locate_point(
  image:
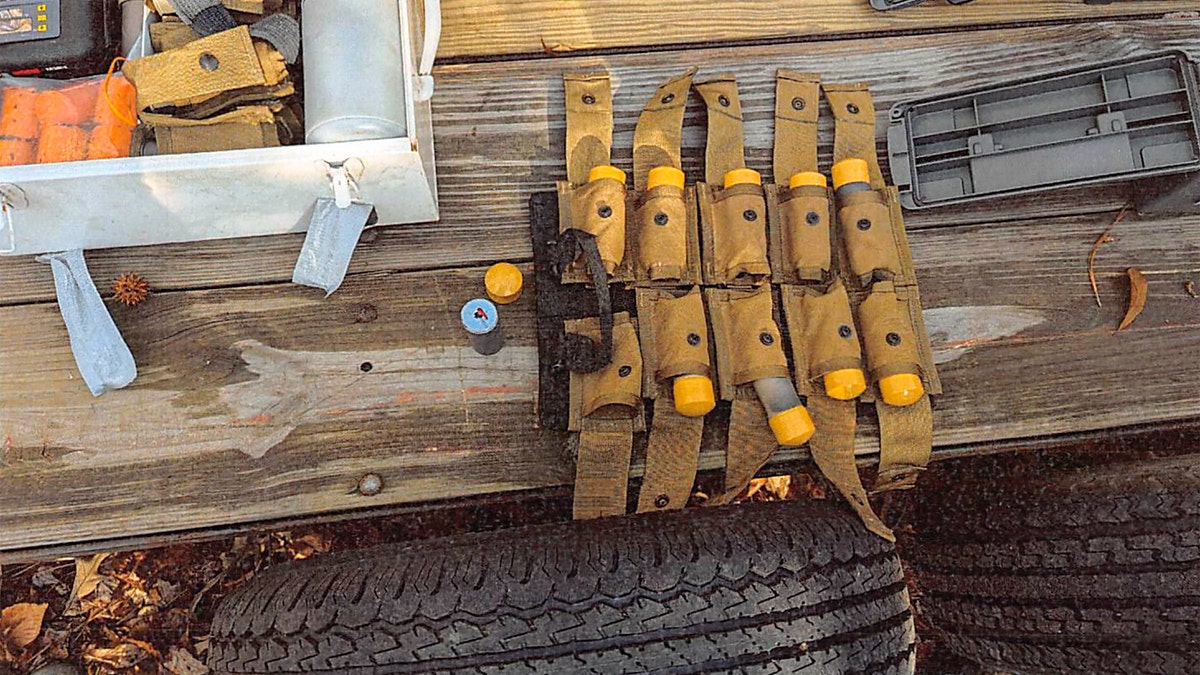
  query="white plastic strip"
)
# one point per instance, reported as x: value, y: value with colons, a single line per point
x: 332, y: 235
x: 103, y: 358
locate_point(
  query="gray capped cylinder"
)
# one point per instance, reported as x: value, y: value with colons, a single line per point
x: 353, y: 70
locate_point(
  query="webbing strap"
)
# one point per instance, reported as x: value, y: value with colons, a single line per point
x: 602, y: 468
x: 796, y: 111
x: 854, y: 126
x: 832, y: 448
x: 581, y: 354
x: 751, y: 444
x: 589, y: 123
x: 906, y: 444
x: 282, y: 32
x: 659, y: 131
x: 672, y: 457
x: 204, y: 16
x: 725, y: 150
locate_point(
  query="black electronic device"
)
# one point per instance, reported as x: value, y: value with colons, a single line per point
x: 58, y: 38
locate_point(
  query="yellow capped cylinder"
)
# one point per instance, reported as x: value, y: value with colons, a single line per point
x: 851, y: 171
x: 664, y: 175
x: 742, y: 177
x: 694, y: 396
x: 846, y: 384
x: 807, y: 178
x: 504, y: 282
x: 612, y: 172
x: 792, y: 427
x: 901, y: 390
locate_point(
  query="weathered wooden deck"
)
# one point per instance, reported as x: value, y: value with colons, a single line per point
x: 254, y: 400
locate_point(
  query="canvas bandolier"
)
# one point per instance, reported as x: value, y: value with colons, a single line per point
x: 878, y: 267
x: 752, y: 367
x: 735, y: 238
x: 606, y: 366
x: 671, y: 319
x: 825, y: 347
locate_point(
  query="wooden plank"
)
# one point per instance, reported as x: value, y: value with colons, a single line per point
x: 499, y: 137
x: 255, y: 403
x: 479, y: 28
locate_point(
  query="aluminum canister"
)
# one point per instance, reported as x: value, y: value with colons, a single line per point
x: 353, y: 70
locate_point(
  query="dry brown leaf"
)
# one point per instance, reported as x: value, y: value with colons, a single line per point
x: 87, y: 576
x: 124, y: 655
x: 309, y: 545
x: 181, y: 662
x: 1138, y: 290
x: 20, y: 625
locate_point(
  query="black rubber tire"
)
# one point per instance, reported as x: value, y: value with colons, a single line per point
x: 755, y: 588
x: 1073, y: 571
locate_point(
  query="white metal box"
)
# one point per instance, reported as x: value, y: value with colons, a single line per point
x: 240, y: 193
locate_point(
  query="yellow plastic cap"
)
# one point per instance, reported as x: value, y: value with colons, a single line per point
x: 851, y: 170
x: 742, y: 177
x: 846, y: 384
x: 612, y: 172
x: 901, y: 390
x: 792, y: 427
x: 694, y: 395
x: 503, y: 282
x: 664, y: 175
x: 813, y: 178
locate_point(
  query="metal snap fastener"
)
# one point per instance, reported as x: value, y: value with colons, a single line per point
x: 766, y: 338
x: 812, y: 218
x: 661, y: 501
x: 723, y: 100
x: 668, y: 98
x: 864, y: 224
x: 852, y: 108
x: 693, y: 339
x: 750, y: 215
x: 588, y: 99
x: 624, y: 371
x: 604, y: 211
x: 798, y: 103
x: 893, y: 339
x: 661, y: 218
x: 845, y: 331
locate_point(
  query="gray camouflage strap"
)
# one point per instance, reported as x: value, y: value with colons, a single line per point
x: 206, y: 17
x: 283, y: 32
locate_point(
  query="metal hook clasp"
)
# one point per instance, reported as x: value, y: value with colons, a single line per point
x: 343, y: 182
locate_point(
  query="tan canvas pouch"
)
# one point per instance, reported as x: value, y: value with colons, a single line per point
x: 616, y: 390
x: 223, y: 62
x: 805, y: 240
x: 168, y: 35
x: 746, y: 337
x: 724, y: 149
x: 598, y: 208
x: 866, y: 228
x: 663, y: 242
x: 657, y: 136
x: 674, y: 336
x: 734, y: 230
x: 821, y: 327
x: 251, y: 127
x: 887, y: 335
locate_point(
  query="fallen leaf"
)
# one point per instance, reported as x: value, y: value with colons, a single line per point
x: 1102, y: 239
x: 124, y: 655
x: 309, y: 545
x: 44, y: 578
x: 1138, y: 290
x: 20, y: 625
x: 181, y: 662
x: 87, y: 576
x: 555, y: 49
x: 1190, y: 287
